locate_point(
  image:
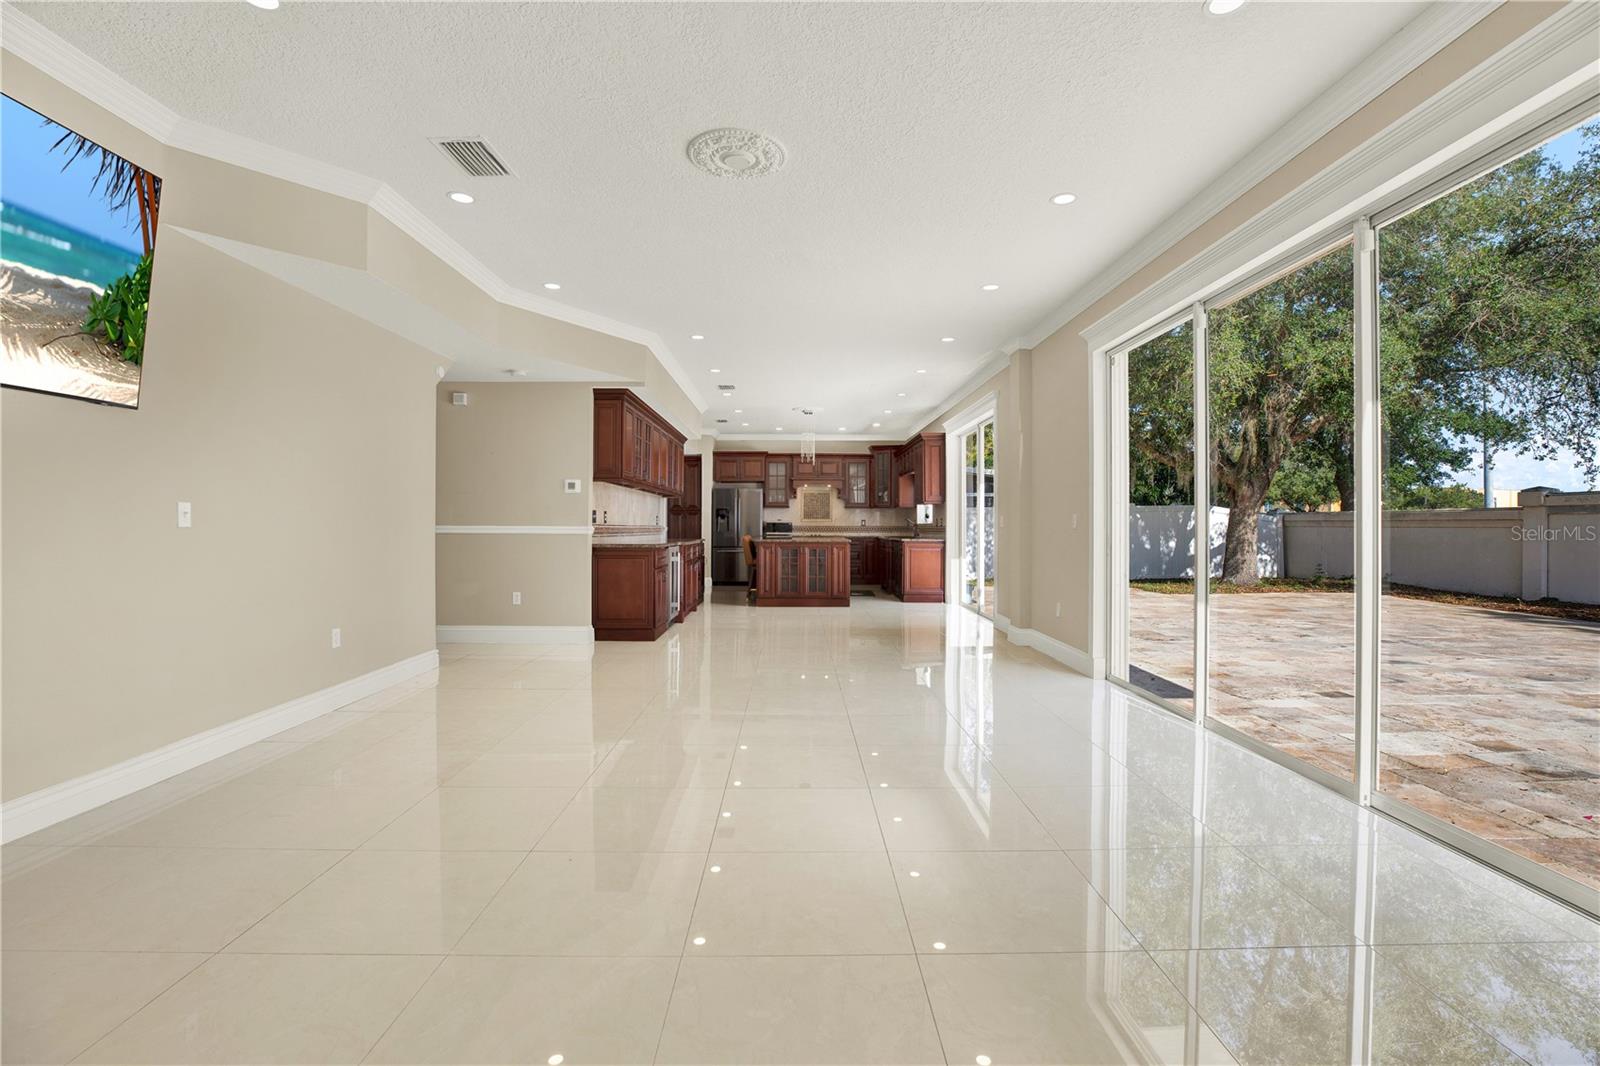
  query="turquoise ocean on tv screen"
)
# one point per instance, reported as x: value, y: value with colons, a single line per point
x: 33, y: 240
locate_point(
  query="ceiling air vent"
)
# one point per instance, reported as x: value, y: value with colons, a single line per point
x: 474, y: 156
x: 725, y: 388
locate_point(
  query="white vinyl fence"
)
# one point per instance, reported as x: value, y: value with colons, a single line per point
x: 1161, y: 542
x: 1548, y: 546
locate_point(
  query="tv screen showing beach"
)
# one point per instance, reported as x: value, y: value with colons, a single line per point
x: 77, y: 229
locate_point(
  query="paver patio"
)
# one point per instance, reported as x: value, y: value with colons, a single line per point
x: 1490, y: 719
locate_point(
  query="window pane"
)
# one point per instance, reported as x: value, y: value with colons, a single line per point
x: 1281, y: 622
x: 1161, y: 516
x: 1490, y: 382
x: 969, y: 518
x: 987, y: 532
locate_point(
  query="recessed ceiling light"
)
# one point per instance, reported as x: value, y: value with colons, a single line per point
x: 744, y: 423
x: 841, y: 429
x: 715, y: 370
x: 552, y: 285
x: 922, y: 371
x: 899, y: 394
x: 990, y: 287
x: 697, y: 336
x: 738, y: 410
x: 1061, y: 199
x: 948, y: 340
x: 875, y: 425
x: 1223, y: 7
x: 458, y: 197
x: 778, y: 429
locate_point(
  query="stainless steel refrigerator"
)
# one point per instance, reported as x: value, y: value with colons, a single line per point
x: 735, y: 513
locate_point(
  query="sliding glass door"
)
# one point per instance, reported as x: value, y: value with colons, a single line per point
x: 1163, y: 530
x: 1280, y: 652
x: 1393, y: 581
x: 978, y: 518
x: 1489, y: 711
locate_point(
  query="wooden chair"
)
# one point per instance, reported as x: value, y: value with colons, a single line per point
x: 750, y: 562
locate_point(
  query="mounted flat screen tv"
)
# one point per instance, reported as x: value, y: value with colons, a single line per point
x: 77, y: 233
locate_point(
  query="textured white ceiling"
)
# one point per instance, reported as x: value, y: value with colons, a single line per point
x: 924, y: 142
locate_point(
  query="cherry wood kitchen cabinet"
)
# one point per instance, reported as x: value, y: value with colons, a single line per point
x: 683, y: 513
x: 919, y: 470
x: 857, y: 490
x: 824, y: 469
x: 631, y: 588
x: 733, y: 467
x: 913, y: 570
x: 799, y: 573
x: 883, y: 486
x: 634, y: 446
x: 692, y: 554
x: 778, y: 486
x: 629, y: 591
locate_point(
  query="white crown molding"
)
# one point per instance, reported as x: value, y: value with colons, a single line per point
x: 1550, y: 69
x: 539, y: 530
x: 1420, y: 39
x: 991, y: 366
x: 87, y: 76
x: 794, y: 438
x: 44, y: 808
x: 516, y: 635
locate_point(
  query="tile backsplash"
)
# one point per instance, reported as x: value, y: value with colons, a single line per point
x: 838, y: 513
x: 621, y: 513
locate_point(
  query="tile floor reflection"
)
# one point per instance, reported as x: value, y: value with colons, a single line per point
x: 881, y: 834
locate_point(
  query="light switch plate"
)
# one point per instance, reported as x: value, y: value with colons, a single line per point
x: 574, y: 484
x: 338, y: 638
x: 185, y: 514
x: 516, y: 599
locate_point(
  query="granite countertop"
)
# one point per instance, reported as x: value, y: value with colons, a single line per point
x: 649, y: 543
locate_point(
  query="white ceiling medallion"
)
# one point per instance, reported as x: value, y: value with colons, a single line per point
x: 734, y: 153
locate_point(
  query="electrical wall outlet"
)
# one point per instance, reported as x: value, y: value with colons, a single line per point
x: 338, y: 638
x: 1074, y: 519
x: 185, y: 514
x: 516, y: 599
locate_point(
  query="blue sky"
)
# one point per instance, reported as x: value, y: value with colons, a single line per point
x: 31, y: 177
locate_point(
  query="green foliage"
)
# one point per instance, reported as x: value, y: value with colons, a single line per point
x: 1161, y: 419
x: 118, y: 314
x: 1434, y: 498
x: 1490, y: 337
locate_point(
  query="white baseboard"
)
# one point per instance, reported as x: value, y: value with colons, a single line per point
x: 1002, y: 623
x: 1061, y: 652
x: 516, y: 634
x: 37, y: 810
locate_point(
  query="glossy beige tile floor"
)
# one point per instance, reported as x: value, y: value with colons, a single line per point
x: 863, y: 835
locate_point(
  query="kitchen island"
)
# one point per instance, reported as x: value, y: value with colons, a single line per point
x: 814, y: 572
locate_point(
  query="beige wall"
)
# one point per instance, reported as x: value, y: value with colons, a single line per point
x: 501, y: 462
x: 302, y: 436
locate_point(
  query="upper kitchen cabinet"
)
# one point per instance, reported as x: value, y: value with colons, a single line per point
x: 749, y: 467
x: 883, y: 484
x: 634, y: 446
x: 823, y: 470
x: 911, y: 474
x: 779, y: 483
x: 926, y: 464
x: 857, y: 490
